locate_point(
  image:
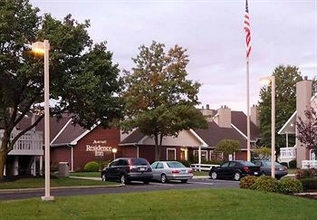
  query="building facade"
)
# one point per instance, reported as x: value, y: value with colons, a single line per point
x: 77, y: 146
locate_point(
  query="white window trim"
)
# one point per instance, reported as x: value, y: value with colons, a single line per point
x: 196, y: 152
x: 170, y: 149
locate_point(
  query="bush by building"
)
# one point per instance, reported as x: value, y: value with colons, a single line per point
x: 289, y: 185
x: 247, y: 182
x: 309, y: 183
x: 92, y: 166
x: 266, y: 184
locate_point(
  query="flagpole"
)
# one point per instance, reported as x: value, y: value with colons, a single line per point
x: 248, y: 114
x: 248, y: 50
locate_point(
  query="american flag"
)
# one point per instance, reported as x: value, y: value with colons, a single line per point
x: 247, y: 29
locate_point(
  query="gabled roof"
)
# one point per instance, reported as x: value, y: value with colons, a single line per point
x: 213, y: 134
x: 133, y: 138
x: 62, y: 130
x: 288, y: 127
x: 239, y: 121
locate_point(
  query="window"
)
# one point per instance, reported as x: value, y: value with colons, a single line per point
x: 160, y: 166
x: 171, y: 154
x: 204, y: 154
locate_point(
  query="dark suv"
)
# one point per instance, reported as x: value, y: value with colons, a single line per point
x: 128, y: 169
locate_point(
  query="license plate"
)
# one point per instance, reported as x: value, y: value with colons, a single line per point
x: 255, y: 173
x: 142, y: 169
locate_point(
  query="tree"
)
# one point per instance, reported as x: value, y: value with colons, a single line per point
x: 285, y: 104
x: 262, y: 152
x: 83, y: 79
x: 307, y: 129
x: 158, y: 98
x: 227, y: 146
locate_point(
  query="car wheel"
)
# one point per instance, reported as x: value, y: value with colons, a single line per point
x: 123, y: 179
x: 184, y: 181
x: 163, y: 178
x: 213, y: 175
x: 237, y: 176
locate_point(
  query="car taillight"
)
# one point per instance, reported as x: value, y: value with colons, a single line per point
x: 175, y: 171
x: 246, y: 169
x: 190, y: 171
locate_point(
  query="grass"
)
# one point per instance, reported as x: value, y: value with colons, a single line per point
x: 55, y: 182
x: 202, y: 173
x: 85, y: 174
x: 170, y: 204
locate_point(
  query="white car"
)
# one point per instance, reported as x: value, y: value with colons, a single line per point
x: 165, y: 171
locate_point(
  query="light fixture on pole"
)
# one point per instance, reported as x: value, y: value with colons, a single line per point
x: 114, y: 151
x: 43, y: 48
x: 267, y: 81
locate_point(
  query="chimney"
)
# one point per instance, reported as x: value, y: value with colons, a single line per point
x: 224, y: 118
x: 303, y: 97
x: 255, y: 115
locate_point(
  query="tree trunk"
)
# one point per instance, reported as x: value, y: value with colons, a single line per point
x: 3, y: 157
x: 157, y: 149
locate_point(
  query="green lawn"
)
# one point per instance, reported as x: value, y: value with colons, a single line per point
x: 208, y: 204
x: 55, y: 182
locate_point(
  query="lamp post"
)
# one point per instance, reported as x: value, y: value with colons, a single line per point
x: 268, y: 80
x: 114, y: 151
x: 43, y: 48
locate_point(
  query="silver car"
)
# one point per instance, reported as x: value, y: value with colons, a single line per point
x: 265, y: 166
x: 165, y: 171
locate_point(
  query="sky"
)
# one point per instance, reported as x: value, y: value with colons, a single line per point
x: 283, y: 32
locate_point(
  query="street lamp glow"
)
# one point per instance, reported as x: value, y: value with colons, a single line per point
x: 271, y: 80
x: 114, y: 151
x: 43, y: 48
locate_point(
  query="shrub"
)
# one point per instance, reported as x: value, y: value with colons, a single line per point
x: 309, y: 183
x: 289, y: 185
x: 266, y: 184
x: 103, y: 164
x: 247, y: 182
x: 306, y: 173
x: 92, y: 166
x: 216, y: 162
x: 292, y: 164
x: 186, y: 163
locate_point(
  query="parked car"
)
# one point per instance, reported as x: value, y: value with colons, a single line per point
x: 128, y: 169
x: 235, y: 169
x: 265, y: 166
x: 165, y: 171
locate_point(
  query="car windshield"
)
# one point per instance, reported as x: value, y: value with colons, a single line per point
x: 175, y: 164
x: 268, y: 163
x: 247, y: 163
x: 139, y: 161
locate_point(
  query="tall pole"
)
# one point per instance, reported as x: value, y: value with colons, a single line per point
x: 273, y: 127
x: 248, y: 114
x: 47, y: 195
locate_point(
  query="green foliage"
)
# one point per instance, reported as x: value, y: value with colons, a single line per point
x: 247, y: 182
x: 186, y: 163
x: 306, y: 173
x: 292, y: 164
x: 92, y: 166
x: 266, y: 184
x: 285, y: 104
x: 158, y: 98
x: 227, y: 147
x: 262, y: 153
x: 309, y: 183
x: 83, y: 77
x: 290, y: 185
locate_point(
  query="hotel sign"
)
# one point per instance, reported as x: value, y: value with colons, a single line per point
x: 99, y: 147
